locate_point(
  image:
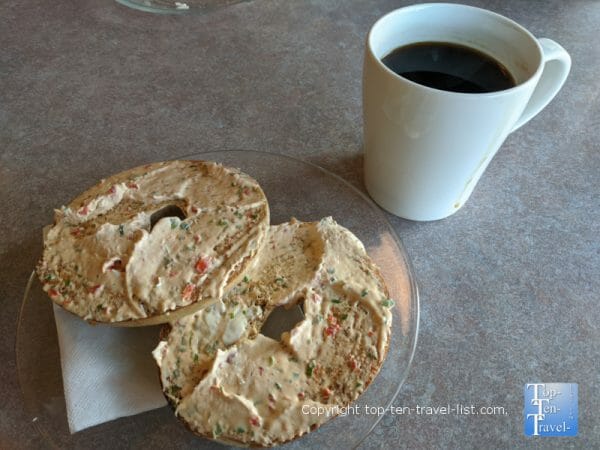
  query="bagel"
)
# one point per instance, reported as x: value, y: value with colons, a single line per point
x: 154, y: 243
x: 228, y: 382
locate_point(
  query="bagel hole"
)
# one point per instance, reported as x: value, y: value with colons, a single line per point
x: 282, y: 319
x: 167, y: 211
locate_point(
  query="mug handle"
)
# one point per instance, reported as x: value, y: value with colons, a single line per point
x: 557, y: 64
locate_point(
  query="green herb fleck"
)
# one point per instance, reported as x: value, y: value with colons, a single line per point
x: 246, y: 279
x: 210, y: 349
x: 67, y: 283
x: 100, y: 307
x: 364, y: 293
x: 344, y: 317
x: 271, y: 360
x: 122, y: 230
x: 175, y: 390
x: 278, y: 386
x: 240, y: 430
x: 196, y: 357
x: 296, y: 375
x: 358, y: 385
x: 388, y: 303
x: 309, y: 368
x: 184, y: 226
x: 336, y: 300
x: 174, y: 223
x: 218, y: 431
x: 222, y: 223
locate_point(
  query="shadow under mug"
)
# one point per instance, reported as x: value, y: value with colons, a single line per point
x: 425, y: 149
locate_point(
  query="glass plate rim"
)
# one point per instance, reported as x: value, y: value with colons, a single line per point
x: 133, y: 4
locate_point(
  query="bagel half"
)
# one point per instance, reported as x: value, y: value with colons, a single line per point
x: 154, y: 243
x: 228, y: 382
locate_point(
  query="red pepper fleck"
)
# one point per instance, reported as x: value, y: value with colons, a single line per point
x: 197, y: 238
x: 332, y: 330
x: 352, y: 364
x: 52, y: 292
x: 188, y: 290
x: 260, y: 370
x: 246, y: 191
x: 132, y: 185
x: 301, y: 395
x: 254, y: 421
x: 325, y: 392
x: 202, y: 265
x: 117, y: 265
x: 173, y: 273
x: 67, y: 301
x: 194, y: 209
x: 271, y: 398
x: 333, y: 327
x: 316, y: 298
x: 112, y: 189
x: 83, y: 211
x: 76, y: 232
x: 94, y: 289
x: 370, y: 333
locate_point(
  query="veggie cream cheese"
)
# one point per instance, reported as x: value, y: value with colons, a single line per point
x: 146, y: 243
x: 231, y: 383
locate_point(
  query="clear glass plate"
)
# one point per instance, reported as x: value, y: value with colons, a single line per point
x: 294, y: 189
x: 179, y: 6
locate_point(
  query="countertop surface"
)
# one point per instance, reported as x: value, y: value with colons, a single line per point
x: 509, y: 285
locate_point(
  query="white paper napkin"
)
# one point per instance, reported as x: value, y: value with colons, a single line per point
x: 107, y: 372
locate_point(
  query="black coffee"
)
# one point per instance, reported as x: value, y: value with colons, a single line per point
x: 449, y: 67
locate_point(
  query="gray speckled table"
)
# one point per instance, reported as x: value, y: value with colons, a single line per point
x: 509, y: 285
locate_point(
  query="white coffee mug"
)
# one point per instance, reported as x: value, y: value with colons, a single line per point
x: 425, y: 148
